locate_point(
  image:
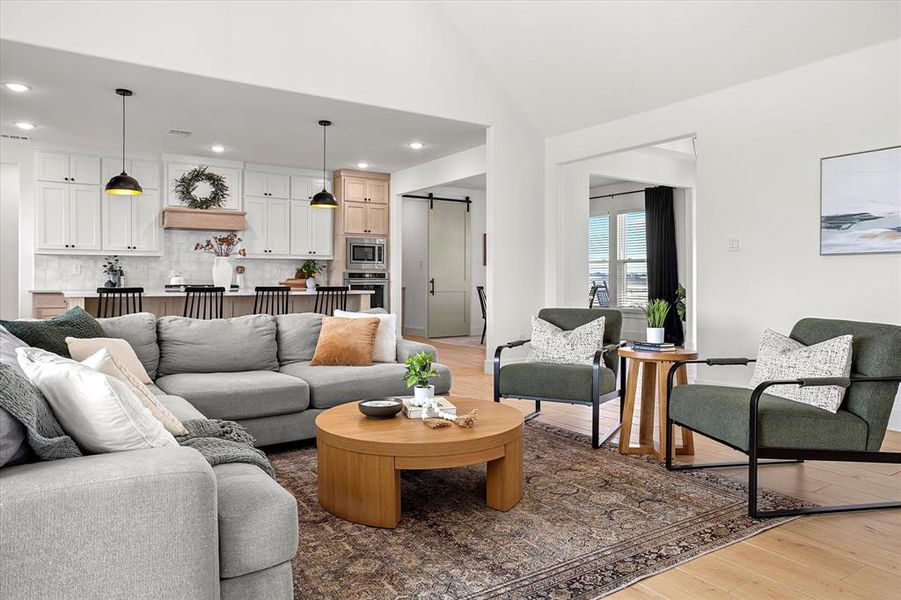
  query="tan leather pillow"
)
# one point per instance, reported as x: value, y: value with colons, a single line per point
x: 348, y: 342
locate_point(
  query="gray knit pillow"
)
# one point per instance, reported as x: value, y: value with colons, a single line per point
x: 780, y: 357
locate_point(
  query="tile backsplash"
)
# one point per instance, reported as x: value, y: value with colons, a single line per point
x: 64, y: 272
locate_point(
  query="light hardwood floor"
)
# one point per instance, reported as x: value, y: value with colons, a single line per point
x: 852, y: 555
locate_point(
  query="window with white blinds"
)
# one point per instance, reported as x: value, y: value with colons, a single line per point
x: 631, y: 260
x: 598, y: 249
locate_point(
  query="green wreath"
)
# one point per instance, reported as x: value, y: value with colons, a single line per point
x: 187, y: 184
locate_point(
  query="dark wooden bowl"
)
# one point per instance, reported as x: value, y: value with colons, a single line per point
x: 380, y: 408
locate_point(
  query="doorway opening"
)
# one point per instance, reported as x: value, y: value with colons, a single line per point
x: 444, y: 262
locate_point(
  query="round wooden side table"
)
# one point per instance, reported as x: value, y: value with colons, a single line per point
x: 654, y: 368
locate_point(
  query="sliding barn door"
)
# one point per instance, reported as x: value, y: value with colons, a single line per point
x: 449, y: 270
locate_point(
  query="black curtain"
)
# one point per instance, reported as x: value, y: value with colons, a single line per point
x: 663, y: 271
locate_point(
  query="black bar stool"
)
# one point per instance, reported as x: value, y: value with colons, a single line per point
x: 483, y: 303
x: 115, y: 302
x: 330, y: 299
x: 203, y: 302
x: 271, y: 300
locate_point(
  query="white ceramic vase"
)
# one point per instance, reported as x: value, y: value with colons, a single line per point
x: 311, y: 283
x: 424, y: 393
x: 222, y: 272
x: 655, y: 335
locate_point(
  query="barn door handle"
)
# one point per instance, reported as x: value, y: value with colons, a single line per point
x: 432, y: 286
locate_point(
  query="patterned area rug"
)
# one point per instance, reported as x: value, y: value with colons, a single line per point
x: 590, y: 522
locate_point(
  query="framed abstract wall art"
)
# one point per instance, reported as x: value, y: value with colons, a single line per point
x: 860, y: 202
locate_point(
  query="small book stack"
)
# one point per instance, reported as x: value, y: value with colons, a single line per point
x: 653, y: 347
x: 415, y: 412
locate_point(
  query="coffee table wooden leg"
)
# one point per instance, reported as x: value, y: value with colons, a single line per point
x: 666, y: 436
x: 625, y: 432
x: 362, y: 488
x: 688, y: 440
x: 648, y: 390
x: 505, y: 477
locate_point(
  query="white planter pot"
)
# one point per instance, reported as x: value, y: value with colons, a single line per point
x: 311, y: 283
x: 424, y: 393
x: 222, y: 272
x: 655, y: 335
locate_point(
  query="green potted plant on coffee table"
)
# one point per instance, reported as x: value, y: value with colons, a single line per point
x: 656, y: 311
x: 419, y: 371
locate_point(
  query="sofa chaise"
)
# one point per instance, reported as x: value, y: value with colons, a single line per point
x: 162, y: 523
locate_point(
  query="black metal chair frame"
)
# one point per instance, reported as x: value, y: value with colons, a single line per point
x: 330, y: 299
x: 110, y: 301
x: 208, y: 302
x: 766, y: 456
x: 480, y: 289
x: 593, y: 295
x: 594, y: 403
x: 271, y: 300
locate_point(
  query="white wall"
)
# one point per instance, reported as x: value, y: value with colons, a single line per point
x: 21, y: 154
x: 403, y: 55
x: 9, y: 240
x: 415, y: 270
x: 759, y: 146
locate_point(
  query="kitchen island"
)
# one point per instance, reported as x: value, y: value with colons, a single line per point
x: 48, y: 303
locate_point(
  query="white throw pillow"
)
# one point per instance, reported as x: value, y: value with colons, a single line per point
x: 107, y: 364
x: 99, y: 412
x: 550, y: 344
x: 780, y: 357
x: 81, y: 348
x: 385, y: 338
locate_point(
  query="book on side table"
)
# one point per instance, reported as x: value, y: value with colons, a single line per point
x: 653, y: 347
x: 415, y: 412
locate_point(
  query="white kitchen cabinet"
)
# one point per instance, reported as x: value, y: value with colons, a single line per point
x: 146, y: 172
x: 279, y: 227
x: 269, y: 185
x: 67, y: 168
x: 304, y: 187
x: 68, y: 217
x: 255, y: 236
x: 131, y: 223
x: 311, y: 231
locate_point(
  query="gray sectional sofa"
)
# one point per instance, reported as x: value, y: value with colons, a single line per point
x: 162, y: 523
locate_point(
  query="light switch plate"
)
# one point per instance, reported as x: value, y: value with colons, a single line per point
x: 734, y: 244
x: 76, y: 269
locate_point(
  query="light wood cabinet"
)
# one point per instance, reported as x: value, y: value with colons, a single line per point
x: 67, y: 168
x: 269, y: 185
x: 68, y: 217
x: 365, y: 199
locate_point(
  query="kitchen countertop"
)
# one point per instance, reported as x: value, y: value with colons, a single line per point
x: 151, y: 293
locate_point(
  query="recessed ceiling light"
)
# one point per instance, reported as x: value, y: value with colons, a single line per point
x: 416, y: 145
x: 217, y: 148
x: 15, y: 86
x: 24, y: 125
x: 362, y: 165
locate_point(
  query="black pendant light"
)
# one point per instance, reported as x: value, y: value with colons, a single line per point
x: 324, y: 199
x: 123, y: 184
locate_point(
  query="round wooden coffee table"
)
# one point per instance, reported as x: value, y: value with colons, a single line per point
x: 360, y: 458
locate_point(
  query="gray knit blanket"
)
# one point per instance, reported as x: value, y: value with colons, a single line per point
x: 222, y: 442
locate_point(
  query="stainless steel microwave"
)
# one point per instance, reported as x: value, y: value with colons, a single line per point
x: 367, y: 253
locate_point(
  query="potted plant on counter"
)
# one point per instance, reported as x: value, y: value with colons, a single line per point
x: 656, y: 311
x: 419, y: 371
x: 308, y: 271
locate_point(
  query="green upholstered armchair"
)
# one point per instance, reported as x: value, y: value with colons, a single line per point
x: 589, y: 385
x: 769, y: 427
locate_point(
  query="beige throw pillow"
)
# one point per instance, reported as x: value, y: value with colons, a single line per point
x: 81, y: 348
x: 348, y: 342
x: 107, y: 364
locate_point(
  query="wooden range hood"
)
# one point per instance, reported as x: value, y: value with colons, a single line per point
x: 211, y: 219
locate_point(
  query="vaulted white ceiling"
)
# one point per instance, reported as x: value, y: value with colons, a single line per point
x: 575, y: 64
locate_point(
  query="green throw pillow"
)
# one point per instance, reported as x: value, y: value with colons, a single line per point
x: 50, y: 335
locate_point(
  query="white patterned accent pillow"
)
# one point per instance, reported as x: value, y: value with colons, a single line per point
x: 550, y: 344
x: 780, y: 357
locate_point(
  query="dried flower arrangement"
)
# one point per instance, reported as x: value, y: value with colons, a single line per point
x: 225, y: 245
x: 111, y: 265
